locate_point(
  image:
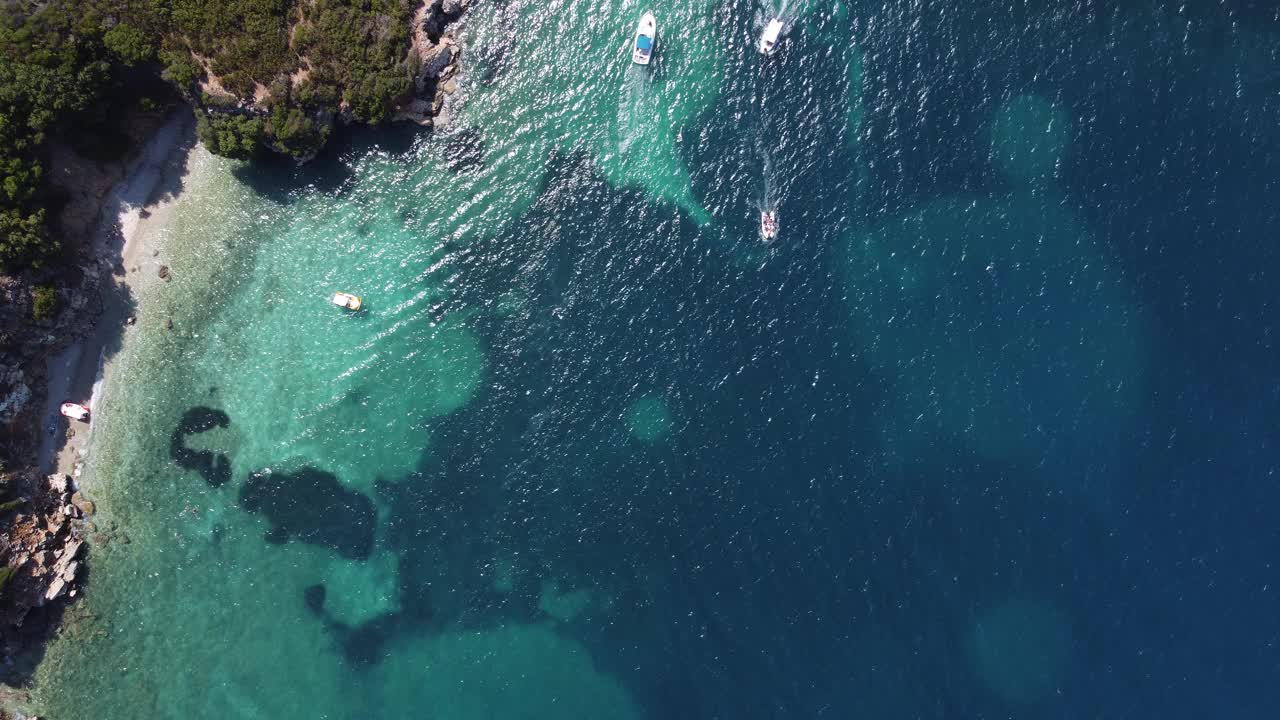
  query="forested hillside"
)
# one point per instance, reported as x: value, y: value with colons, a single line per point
x: 270, y: 74
x: 54, y: 65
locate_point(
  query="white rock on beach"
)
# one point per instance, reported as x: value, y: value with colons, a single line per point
x: 56, y: 589
x: 73, y: 547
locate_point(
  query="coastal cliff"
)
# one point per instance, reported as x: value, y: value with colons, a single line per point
x: 320, y: 65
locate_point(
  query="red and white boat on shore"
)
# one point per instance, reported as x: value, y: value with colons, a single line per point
x: 75, y: 411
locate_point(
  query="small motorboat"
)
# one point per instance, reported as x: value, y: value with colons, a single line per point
x: 74, y: 411
x: 346, y: 300
x: 769, y: 38
x: 769, y: 225
x: 646, y: 38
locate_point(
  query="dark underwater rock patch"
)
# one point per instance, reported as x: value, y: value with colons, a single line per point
x: 314, y: 597
x: 363, y: 644
x: 215, y: 468
x: 312, y: 506
x: 360, y: 644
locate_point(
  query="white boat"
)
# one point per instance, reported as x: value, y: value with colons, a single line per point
x: 346, y: 300
x: 74, y: 411
x: 769, y: 225
x: 769, y: 38
x: 646, y: 38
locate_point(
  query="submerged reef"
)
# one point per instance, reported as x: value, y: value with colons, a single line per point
x: 1021, y: 649
x: 1029, y: 139
x: 312, y: 506
x: 360, y: 643
x: 1001, y: 325
x: 519, y: 670
x: 215, y: 468
x: 649, y: 418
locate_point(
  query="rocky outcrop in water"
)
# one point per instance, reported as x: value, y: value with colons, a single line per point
x: 437, y: 53
x: 437, y: 15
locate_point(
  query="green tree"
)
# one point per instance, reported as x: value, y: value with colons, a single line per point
x: 22, y: 239
x: 233, y: 136
x: 6, y: 574
x: 18, y: 179
x: 63, y: 64
x: 180, y: 69
x: 52, y: 70
x: 45, y: 303
x: 130, y: 44
x: 296, y: 133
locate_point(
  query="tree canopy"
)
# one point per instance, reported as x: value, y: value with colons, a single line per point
x: 281, y: 69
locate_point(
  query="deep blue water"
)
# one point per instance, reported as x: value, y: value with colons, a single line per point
x: 816, y: 581
x: 791, y: 573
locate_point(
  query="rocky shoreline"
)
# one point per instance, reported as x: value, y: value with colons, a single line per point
x: 46, y: 525
x: 44, y: 541
x: 438, y: 52
x: 44, y: 519
x: 433, y: 50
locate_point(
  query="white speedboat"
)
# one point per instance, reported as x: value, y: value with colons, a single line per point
x: 346, y: 300
x: 769, y: 38
x: 646, y: 38
x: 769, y: 225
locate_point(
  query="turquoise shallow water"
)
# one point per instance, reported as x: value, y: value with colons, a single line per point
x: 948, y: 448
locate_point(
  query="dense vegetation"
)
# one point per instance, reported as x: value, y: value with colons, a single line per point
x: 358, y: 50
x: 50, y: 69
x: 261, y: 73
x: 45, y: 303
x: 301, y: 61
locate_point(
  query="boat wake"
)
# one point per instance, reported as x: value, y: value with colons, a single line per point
x: 769, y: 197
x: 792, y: 10
x: 635, y: 105
x: 768, y: 201
x: 785, y: 10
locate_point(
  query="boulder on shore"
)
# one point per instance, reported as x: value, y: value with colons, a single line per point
x: 82, y: 503
x: 439, y: 14
x: 72, y: 549
x: 438, y: 62
x: 59, y: 483
x: 57, y: 589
